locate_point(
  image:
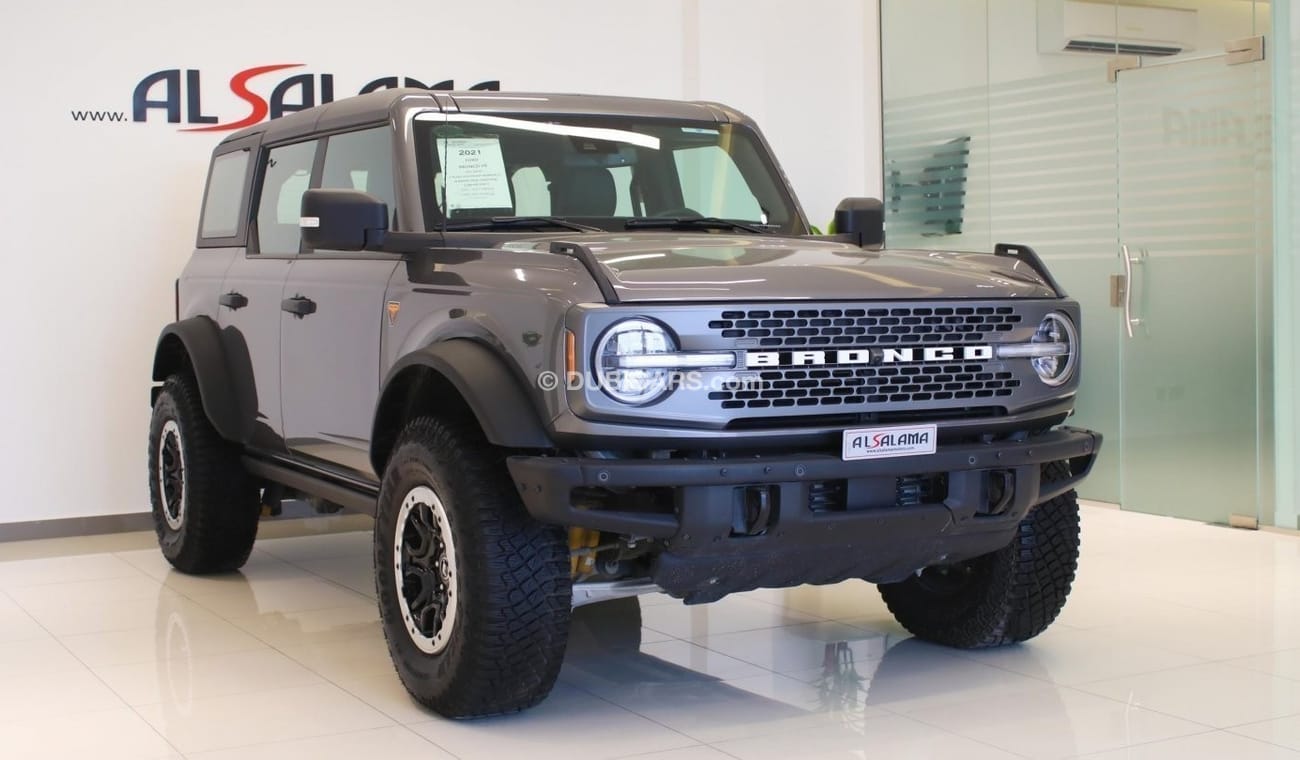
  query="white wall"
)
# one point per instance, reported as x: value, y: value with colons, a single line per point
x: 99, y: 218
x: 803, y: 71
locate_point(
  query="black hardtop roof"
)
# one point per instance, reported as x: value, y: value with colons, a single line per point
x: 383, y: 105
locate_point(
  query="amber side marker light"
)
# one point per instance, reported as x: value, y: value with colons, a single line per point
x: 570, y: 357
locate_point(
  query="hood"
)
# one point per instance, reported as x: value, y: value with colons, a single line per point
x: 713, y: 267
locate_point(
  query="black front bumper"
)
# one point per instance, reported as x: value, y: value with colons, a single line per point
x: 704, y: 557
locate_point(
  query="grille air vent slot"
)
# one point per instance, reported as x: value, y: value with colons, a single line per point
x: 798, y: 328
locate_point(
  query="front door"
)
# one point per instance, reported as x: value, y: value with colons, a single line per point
x: 333, y: 308
x: 330, y: 338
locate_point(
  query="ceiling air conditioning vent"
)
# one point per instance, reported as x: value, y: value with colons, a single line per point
x: 1119, y: 48
x: 1077, y: 26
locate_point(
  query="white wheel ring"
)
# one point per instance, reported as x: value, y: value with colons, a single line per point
x: 171, y: 429
x: 418, y: 496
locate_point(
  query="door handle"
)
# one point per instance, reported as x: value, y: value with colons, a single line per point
x: 233, y: 301
x: 299, y: 306
x: 1129, y: 320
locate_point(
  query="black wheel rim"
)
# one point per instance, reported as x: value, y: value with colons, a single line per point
x: 171, y: 475
x: 424, y: 561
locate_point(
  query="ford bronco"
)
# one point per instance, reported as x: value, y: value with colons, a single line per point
x: 573, y: 348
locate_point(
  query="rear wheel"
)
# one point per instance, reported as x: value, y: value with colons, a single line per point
x: 205, y: 506
x: 474, y: 594
x: 1006, y: 596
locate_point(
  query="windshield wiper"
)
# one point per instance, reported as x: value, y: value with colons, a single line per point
x: 512, y: 222
x: 687, y: 222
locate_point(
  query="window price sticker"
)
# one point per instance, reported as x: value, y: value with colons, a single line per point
x: 474, y: 173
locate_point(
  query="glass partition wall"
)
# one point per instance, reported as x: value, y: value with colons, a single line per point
x: 1143, y: 179
x: 1284, y: 53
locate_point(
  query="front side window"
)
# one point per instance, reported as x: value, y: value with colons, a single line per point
x: 362, y: 161
x: 607, y: 172
x: 224, y: 195
x: 286, y: 177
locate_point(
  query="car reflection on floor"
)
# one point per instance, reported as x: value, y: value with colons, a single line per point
x: 1177, y: 642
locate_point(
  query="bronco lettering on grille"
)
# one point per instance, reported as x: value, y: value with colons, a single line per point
x: 757, y: 359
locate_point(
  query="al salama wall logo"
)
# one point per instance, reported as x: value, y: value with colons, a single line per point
x: 268, y: 91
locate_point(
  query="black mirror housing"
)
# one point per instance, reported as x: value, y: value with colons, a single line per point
x: 863, y: 219
x: 343, y: 220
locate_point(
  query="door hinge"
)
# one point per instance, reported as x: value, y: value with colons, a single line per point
x: 1121, y: 63
x: 1244, y: 50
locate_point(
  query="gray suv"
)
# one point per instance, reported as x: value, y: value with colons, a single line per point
x: 573, y: 348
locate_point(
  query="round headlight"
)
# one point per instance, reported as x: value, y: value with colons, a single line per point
x: 1057, y: 367
x: 633, y: 337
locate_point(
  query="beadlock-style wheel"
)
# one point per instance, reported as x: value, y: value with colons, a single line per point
x: 424, y: 556
x: 171, y: 474
x: 474, y: 594
x: 205, y: 506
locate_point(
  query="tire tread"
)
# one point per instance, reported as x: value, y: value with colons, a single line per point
x: 222, y: 509
x: 1023, y: 589
x: 516, y: 617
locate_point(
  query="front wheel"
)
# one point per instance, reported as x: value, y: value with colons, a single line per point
x: 1006, y: 596
x: 474, y: 594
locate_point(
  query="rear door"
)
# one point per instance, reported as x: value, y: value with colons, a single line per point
x: 249, y: 310
x: 223, y: 229
x: 331, y: 329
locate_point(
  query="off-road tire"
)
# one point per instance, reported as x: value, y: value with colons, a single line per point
x: 510, y: 573
x: 212, y: 526
x: 1006, y: 596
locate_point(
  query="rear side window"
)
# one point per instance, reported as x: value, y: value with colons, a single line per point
x: 362, y: 161
x: 279, y: 210
x: 224, y: 196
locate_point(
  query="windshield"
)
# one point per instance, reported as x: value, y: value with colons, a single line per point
x: 604, y: 172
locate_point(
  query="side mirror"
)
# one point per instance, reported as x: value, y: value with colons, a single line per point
x: 863, y: 219
x: 344, y: 220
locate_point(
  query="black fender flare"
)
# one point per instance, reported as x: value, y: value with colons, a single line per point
x: 490, y: 389
x: 223, y: 392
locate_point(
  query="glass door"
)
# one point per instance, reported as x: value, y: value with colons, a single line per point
x: 991, y: 136
x: 1194, y: 220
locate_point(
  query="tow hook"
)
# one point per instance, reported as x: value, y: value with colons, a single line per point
x: 755, y: 510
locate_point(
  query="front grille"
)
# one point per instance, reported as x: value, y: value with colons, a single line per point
x: 898, y: 325
x: 824, y: 388
x: 804, y: 387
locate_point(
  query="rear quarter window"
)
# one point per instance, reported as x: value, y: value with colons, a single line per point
x: 224, y: 195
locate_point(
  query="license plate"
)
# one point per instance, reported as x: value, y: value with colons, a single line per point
x: 887, y: 442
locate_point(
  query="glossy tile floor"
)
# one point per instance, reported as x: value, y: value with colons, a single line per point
x: 1180, y: 641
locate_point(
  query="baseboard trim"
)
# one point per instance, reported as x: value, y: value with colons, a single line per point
x: 293, y: 511
x: 75, y: 526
